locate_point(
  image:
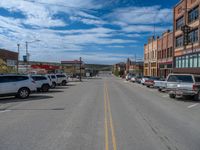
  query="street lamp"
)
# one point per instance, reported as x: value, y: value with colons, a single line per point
x: 18, y: 45
x: 27, y: 54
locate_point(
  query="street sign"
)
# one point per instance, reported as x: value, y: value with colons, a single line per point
x: 186, y: 29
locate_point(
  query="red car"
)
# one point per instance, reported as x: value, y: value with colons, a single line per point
x: 150, y: 81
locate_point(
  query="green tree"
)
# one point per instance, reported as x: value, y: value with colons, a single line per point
x: 6, y: 69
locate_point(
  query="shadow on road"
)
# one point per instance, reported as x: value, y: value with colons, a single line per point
x: 188, y: 99
x: 94, y: 78
x: 70, y: 84
x: 51, y: 91
x: 61, y: 87
x: 5, y: 100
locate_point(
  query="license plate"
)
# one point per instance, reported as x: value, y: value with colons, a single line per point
x: 179, y: 92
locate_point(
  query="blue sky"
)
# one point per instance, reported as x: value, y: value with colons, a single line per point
x: 100, y: 31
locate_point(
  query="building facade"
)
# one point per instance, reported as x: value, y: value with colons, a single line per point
x: 119, y: 69
x: 165, y: 54
x: 36, y: 67
x: 8, y: 61
x: 133, y: 67
x: 187, y: 43
x: 73, y: 67
x: 150, y: 57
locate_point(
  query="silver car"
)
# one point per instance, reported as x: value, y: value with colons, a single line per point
x: 183, y: 85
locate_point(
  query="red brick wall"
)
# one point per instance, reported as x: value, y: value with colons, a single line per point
x: 5, y: 54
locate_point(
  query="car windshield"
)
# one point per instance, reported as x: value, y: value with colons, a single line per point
x: 181, y: 78
x: 89, y: 74
x: 38, y: 78
x: 53, y: 76
x: 154, y: 78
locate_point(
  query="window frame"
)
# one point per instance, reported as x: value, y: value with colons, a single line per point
x: 193, y: 14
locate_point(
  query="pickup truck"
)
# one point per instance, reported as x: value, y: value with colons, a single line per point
x: 183, y: 85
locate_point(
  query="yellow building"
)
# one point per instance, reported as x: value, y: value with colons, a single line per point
x: 150, y: 57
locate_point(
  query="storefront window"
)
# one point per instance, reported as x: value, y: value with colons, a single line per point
x: 179, y: 62
x: 186, y: 61
x: 183, y: 62
x: 199, y: 60
x: 191, y: 62
x: 195, y: 61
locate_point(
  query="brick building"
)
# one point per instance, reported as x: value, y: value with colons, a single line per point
x: 150, y: 57
x: 119, y: 68
x: 8, y: 61
x: 165, y: 54
x: 187, y: 50
x: 73, y: 67
x: 133, y: 67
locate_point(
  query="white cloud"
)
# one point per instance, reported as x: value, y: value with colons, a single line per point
x: 58, y: 45
x: 88, y: 21
x: 141, y: 15
x: 36, y: 14
x: 143, y: 28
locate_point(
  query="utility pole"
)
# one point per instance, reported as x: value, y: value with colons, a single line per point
x: 80, y: 69
x: 18, y: 45
x: 27, y: 54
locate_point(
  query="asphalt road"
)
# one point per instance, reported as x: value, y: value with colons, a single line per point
x: 100, y: 114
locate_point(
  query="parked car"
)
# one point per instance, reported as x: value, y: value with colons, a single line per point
x: 16, y: 85
x: 129, y: 76
x: 53, y: 79
x: 144, y: 78
x: 43, y: 83
x: 160, y: 85
x: 133, y: 79
x: 183, y: 85
x: 62, y: 79
x: 138, y: 79
x: 151, y: 80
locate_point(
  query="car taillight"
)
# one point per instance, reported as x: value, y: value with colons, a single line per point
x: 195, y: 87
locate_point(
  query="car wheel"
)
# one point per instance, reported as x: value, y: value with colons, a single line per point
x: 197, y: 97
x: 53, y: 85
x: 45, y: 88
x: 64, y: 83
x: 172, y: 95
x: 148, y: 86
x: 23, y: 93
x: 159, y: 89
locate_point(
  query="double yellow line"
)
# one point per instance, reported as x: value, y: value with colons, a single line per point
x: 108, y: 120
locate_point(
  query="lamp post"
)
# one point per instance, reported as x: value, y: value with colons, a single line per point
x: 80, y: 69
x: 27, y: 54
x: 18, y: 45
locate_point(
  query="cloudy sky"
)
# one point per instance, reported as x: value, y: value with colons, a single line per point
x: 100, y: 31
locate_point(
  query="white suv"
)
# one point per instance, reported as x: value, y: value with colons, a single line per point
x: 16, y: 85
x: 53, y: 79
x: 62, y: 79
x: 43, y: 83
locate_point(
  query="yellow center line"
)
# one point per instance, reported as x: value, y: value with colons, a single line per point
x: 106, y: 121
x: 108, y: 108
